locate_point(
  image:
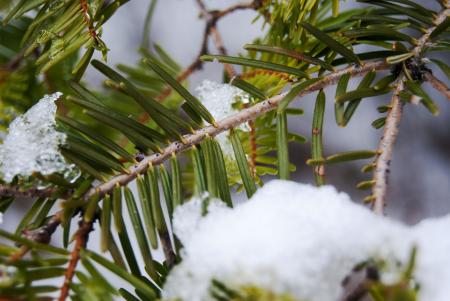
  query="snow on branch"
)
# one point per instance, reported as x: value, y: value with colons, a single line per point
x: 32, y: 143
x: 219, y: 100
x: 301, y: 240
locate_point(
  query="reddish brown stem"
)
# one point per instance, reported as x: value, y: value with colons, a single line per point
x: 238, y: 6
x: 81, y: 239
x: 19, y: 254
x: 85, y: 9
x: 220, y: 47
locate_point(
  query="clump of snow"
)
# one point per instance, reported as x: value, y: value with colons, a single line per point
x: 219, y: 100
x: 300, y: 240
x: 32, y: 143
x: 187, y: 218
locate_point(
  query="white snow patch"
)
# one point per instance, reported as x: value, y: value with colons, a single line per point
x: 187, y: 218
x: 301, y: 240
x: 32, y: 143
x: 219, y: 100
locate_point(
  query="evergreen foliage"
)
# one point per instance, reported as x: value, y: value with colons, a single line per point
x: 146, y: 125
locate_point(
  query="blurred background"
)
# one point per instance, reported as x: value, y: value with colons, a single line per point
x: 420, y: 170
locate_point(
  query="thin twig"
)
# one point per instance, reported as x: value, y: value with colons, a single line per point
x: 242, y: 116
x: 385, y: 150
x: 437, y: 84
x: 16, y: 191
x: 211, y: 29
x: 239, y: 6
x: 221, y: 48
x: 81, y: 239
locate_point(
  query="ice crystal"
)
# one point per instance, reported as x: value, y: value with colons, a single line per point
x: 32, y: 143
x: 303, y: 241
x: 219, y: 100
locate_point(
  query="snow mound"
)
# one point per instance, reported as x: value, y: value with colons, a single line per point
x: 32, y: 143
x: 219, y: 100
x: 187, y: 218
x: 301, y: 240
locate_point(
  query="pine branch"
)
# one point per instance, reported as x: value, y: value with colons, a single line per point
x: 243, y: 116
x: 437, y: 84
x: 386, y: 148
